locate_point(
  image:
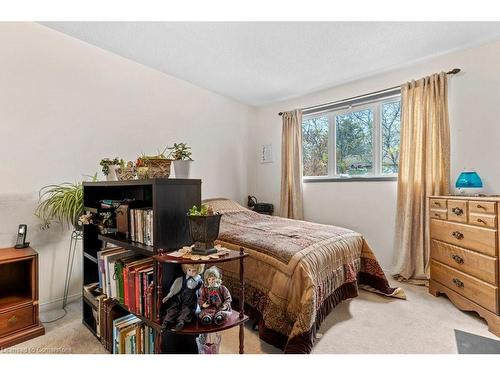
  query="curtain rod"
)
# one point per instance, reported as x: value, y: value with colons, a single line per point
x: 453, y: 71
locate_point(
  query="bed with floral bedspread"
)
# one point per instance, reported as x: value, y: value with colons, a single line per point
x: 296, y: 272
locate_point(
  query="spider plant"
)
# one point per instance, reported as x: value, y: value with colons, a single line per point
x: 61, y: 203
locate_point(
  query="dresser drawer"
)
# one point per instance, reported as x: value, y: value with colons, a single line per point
x: 16, y: 319
x: 482, y: 207
x: 439, y: 214
x: 481, y: 266
x: 436, y: 203
x: 470, y: 287
x: 467, y: 236
x: 483, y: 220
x: 457, y: 211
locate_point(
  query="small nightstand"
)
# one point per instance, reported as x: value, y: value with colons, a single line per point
x: 19, y: 320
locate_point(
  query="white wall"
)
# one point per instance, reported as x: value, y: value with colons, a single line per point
x: 369, y: 207
x: 65, y: 104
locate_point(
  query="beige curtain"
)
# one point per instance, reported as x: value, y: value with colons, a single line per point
x: 424, y: 170
x: 291, y: 165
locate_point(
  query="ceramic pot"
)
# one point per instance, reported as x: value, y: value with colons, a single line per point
x: 181, y: 168
x: 204, y: 230
x: 126, y: 173
x: 142, y: 173
x: 111, y: 176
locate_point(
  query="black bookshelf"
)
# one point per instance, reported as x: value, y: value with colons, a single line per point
x: 170, y: 200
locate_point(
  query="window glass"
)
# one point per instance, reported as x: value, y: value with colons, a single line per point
x: 315, y: 146
x: 354, y: 142
x: 391, y: 122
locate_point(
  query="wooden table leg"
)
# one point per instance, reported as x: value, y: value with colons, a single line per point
x: 242, y: 338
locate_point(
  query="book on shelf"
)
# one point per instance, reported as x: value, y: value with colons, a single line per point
x: 128, y: 278
x: 109, y: 203
x: 141, y: 225
x: 132, y: 336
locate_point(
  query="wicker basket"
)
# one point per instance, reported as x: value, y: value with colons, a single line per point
x: 158, y: 167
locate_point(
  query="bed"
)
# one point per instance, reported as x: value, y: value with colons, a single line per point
x: 296, y: 272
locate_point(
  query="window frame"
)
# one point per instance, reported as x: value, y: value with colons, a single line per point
x: 376, y: 107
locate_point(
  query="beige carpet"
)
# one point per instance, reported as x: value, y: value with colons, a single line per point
x: 367, y: 324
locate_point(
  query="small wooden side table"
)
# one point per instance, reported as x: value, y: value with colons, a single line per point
x: 19, y: 319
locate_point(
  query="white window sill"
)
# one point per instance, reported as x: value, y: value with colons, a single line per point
x: 350, y: 179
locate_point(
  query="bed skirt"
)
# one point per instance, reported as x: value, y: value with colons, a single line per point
x: 303, y: 343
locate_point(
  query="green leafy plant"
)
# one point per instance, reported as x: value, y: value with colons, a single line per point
x: 60, y: 203
x: 106, y: 162
x: 180, y: 151
x: 205, y: 210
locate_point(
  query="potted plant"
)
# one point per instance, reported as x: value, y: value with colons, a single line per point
x: 126, y: 172
x: 181, y: 155
x: 203, y: 228
x: 158, y: 165
x: 109, y: 167
x: 142, y: 169
x: 62, y: 203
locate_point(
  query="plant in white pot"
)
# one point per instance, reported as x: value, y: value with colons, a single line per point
x: 181, y: 156
x: 109, y: 167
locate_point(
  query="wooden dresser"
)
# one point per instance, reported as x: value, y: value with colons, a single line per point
x: 464, y: 236
x: 18, y: 296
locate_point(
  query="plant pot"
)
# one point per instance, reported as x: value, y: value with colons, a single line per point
x: 181, y: 168
x: 142, y: 173
x: 204, y: 230
x: 158, y: 167
x: 126, y: 173
x: 111, y: 176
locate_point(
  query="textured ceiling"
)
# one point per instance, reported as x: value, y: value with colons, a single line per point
x: 261, y: 63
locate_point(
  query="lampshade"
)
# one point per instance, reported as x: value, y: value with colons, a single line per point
x: 469, y: 182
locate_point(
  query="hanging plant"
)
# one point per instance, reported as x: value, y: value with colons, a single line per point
x: 61, y: 203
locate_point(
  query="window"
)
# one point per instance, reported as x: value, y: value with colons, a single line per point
x: 359, y: 141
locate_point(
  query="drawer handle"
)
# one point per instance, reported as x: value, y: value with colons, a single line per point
x: 437, y: 203
x: 482, y: 221
x: 457, y: 211
x: 13, y: 319
x: 458, y: 235
x: 436, y: 214
x: 481, y: 207
x: 458, y: 283
x: 457, y: 259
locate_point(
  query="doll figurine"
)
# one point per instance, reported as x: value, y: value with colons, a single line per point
x: 182, y: 299
x: 215, y: 299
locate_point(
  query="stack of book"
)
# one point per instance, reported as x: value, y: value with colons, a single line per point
x: 131, y: 336
x: 109, y: 203
x: 141, y: 225
x: 127, y: 278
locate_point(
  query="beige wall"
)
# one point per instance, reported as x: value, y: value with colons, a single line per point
x: 369, y: 207
x: 65, y: 104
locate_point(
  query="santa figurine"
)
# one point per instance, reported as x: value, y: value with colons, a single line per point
x: 215, y: 299
x: 182, y: 299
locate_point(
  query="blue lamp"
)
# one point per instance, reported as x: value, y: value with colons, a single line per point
x: 469, y: 182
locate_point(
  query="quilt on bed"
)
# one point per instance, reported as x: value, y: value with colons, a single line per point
x: 297, y: 271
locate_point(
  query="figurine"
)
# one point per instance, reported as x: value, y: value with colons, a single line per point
x: 183, y: 297
x: 215, y: 299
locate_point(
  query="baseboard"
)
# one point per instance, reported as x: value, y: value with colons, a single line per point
x: 56, y: 304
